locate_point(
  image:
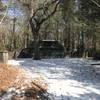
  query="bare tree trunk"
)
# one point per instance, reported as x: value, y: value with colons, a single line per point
x: 36, y: 47
x: 94, y: 45
x: 14, y: 37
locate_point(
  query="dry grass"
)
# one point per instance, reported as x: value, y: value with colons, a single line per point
x: 7, y: 76
x: 12, y: 77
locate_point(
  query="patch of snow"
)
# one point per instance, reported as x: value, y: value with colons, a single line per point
x: 68, y: 79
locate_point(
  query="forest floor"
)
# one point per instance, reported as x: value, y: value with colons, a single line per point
x: 67, y: 79
x: 17, y: 84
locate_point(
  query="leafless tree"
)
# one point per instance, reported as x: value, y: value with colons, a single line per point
x: 38, y: 18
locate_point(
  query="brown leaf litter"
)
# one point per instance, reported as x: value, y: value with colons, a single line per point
x: 15, y: 84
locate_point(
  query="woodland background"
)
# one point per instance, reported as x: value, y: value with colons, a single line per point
x: 75, y: 24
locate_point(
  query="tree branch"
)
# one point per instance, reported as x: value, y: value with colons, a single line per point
x: 52, y: 13
x: 96, y: 3
x: 38, y: 17
x: 41, y: 8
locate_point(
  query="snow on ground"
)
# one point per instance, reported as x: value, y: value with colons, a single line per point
x: 68, y: 79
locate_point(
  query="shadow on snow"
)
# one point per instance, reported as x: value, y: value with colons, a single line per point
x: 77, y: 70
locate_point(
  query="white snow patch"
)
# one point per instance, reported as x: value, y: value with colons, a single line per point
x: 68, y: 79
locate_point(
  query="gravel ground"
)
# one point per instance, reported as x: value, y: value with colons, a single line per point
x: 68, y: 79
